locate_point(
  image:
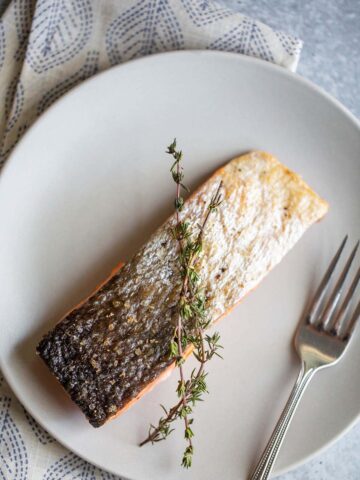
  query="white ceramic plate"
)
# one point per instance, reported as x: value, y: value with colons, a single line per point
x: 90, y: 181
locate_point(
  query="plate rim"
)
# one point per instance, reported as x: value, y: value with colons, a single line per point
x: 242, y: 58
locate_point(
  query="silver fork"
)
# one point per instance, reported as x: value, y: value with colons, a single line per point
x: 321, y: 340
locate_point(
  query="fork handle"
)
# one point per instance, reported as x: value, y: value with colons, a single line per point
x: 266, y: 462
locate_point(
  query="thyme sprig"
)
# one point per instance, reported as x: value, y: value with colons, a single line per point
x: 192, y: 321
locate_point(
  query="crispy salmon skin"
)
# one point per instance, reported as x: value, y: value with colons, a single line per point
x: 114, y: 347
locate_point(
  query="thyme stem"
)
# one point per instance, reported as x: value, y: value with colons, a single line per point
x: 192, y: 312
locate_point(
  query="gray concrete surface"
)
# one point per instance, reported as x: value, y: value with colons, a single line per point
x: 330, y: 30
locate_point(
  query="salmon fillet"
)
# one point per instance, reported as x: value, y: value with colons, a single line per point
x: 114, y: 347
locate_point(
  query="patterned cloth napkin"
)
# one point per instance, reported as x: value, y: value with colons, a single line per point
x: 47, y: 47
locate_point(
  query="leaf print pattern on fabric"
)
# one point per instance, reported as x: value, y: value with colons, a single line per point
x: 246, y: 38
x: 23, y: 16
x: 87, y: 70
x: 60, y: 30
x: 2, y: 44
x: 13, y: 454
x: 70, y: 467
x: 290, y: 45
x: 38, y: 431
x: 205, y: 12
x: 149, y: 26
x: 14, y: 103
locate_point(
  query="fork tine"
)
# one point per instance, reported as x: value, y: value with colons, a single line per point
x: 325, y: 318
x: 320, y: 292
x: 352, y: 322
x: 340, y: 319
